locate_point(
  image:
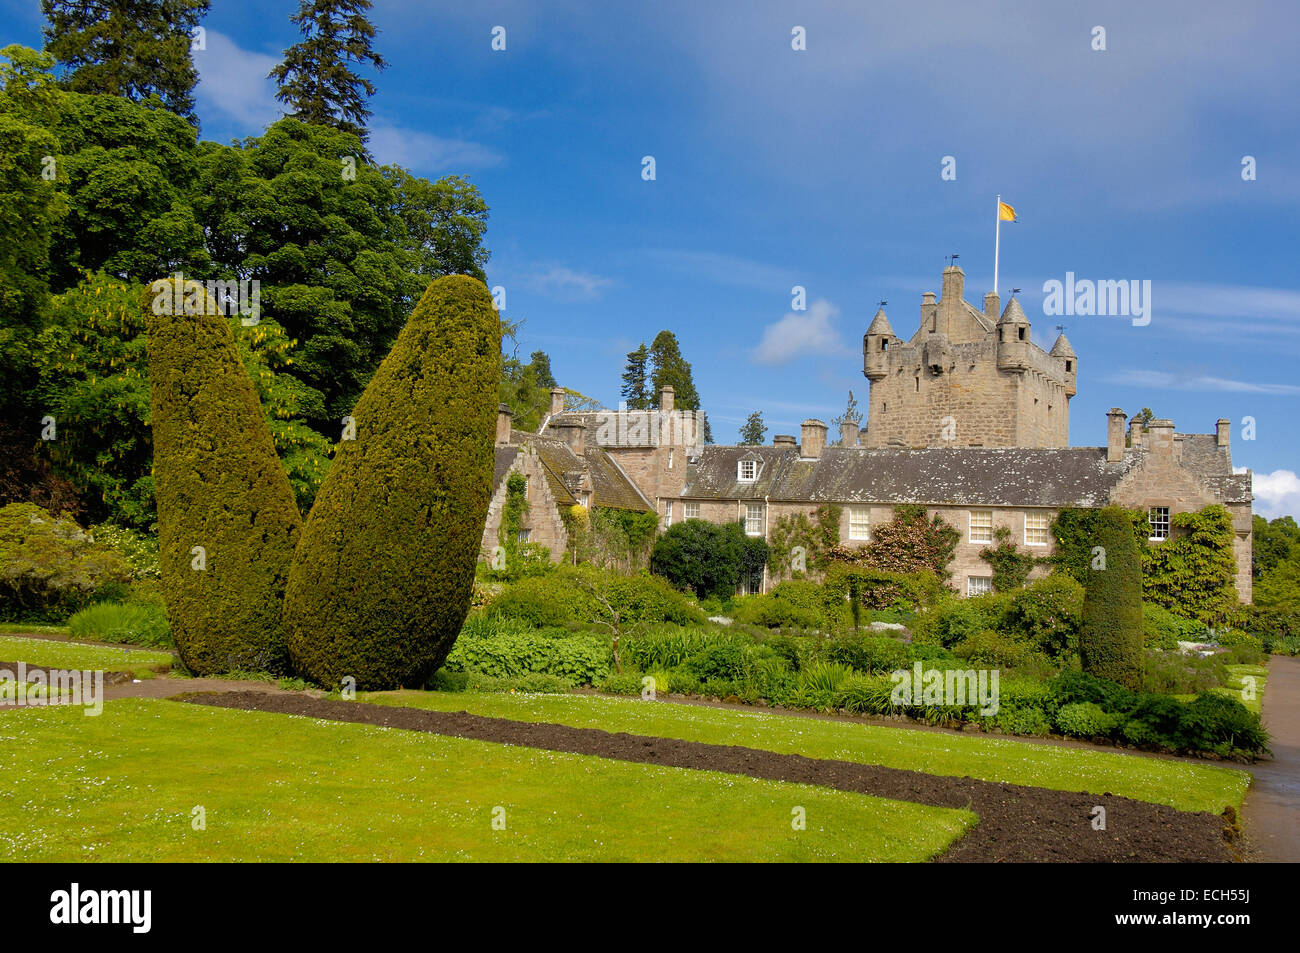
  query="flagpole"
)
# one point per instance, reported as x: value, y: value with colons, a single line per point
x: 997, y: 240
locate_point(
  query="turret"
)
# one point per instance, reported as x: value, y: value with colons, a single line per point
x: 1062, y: 350
x: 1013, y: 338
x: 875, y: 347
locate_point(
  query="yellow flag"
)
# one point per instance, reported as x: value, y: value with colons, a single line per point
x: 1006, y: 213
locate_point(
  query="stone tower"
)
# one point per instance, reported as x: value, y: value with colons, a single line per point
x: 966, y: 378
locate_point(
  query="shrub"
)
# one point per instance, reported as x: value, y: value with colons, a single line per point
x: 140, y: 550
x: 623, y: 683
x: 535, y: 684
x: 579, y: 659
x: 1163, y: 629
x: 569, y: 596
x: 1084, y: 720
x: 1071, y: 686
x: 220, y: 486
x: 872, y: 654
x: 866, y: 695
x: 954, y: 620
x: 1194, y: 572
x: 1223, y: 725
x: 771, y: 612
x: 909, y: 543
x: 709, y: 559
x: 824, y: 676
x: 991, y: 648
x: 130, y: 622
x: 1049, y: 613
x: 51, y: 568
x: 1023, y: 721
x: 1110, y: 642
x: 381, y: 582
x: 850, y: 590
x: 721, y: 659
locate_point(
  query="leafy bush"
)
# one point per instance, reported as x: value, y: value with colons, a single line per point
x: 872, y: 654
x: 1048, y: 612
x: 571, y: 596
x: 381, y: 582
x: 991, y: 648
x: 624, y: 683
x: 954, y: 620
x: 580, y: 659
x: 1071, y: 686
x: 139, y: 549
x: 773, y: 613
x: 1023, y: 721
x: 51, y: 568
x: 1163, y: 629
x: 866, y: 695
x: 1244, y: 647
x: 825, y: 676
x: 720, y: 659
x: 1110, y: 642
x: 849, y: 591
x: 709, y: 559
x: 1194, y: 572
x: 1223, y: 725
x: 131, y: 622
x: 227, y: 518
x: 534, y: 684
x: 1084, y: 720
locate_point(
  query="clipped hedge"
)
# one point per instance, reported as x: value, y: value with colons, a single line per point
x: 381, y: 582
x: 1111, y: 640
x: 570, y: 596
x: 219, y: 486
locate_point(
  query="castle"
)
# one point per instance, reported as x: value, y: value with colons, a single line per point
x: 969, y: 417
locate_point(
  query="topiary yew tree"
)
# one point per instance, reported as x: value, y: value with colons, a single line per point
x: 1111, y: 639
x: 382, y: 579
x: 227, y: 520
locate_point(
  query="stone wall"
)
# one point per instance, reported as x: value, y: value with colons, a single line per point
x: 543, y: 522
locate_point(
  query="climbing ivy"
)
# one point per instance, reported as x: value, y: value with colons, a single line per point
x: 1194, y: 572
x: 1011, y: 567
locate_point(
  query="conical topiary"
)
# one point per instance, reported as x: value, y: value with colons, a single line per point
x: 227, y: 520
x: 382, y: 578
x: 1111, y: 638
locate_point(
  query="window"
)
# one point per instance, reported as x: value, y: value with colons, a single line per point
x: 668, y: 513
x: 1069, y: 366
x: 981, y: 526
x: 979, y: 585
x: 747, y: 470
x: 670, y: 459
x: 754, y: 519
x: 1020, y: 333
x: 1036, y: 532
x: 1159, y: 520
x: 859, y: 522
x: 523, y: 535
x: 692, y: 511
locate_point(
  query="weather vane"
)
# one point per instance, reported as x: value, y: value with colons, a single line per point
x: 883, y: 302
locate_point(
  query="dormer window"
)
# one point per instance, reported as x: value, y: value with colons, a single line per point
x: 747, y: 470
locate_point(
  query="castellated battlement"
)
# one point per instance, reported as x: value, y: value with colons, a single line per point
x: 966, y: 377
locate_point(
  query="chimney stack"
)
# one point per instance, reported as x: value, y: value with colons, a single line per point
x: 785, y: 440
x: 572, y: 433
x: 1115, y: 435
x: 1221, y: 429
x: 813, y: 433
x: 1161, y: 432
x: 992, y: 306
x: 504, y: 419
x: 557, y: 400
x: 1135, y: 432
x: 849, y: 433
x: 666, y: 398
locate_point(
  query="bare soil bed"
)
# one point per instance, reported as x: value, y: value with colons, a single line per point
x: 1016, y: 823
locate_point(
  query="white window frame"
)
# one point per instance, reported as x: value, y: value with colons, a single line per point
x: 668, y: 513
x: 742, y: 465
x: 860, y: 523
x: 754, y: 518
x: 1046, y: 529
x: 690, y: 511
x: 523, y: 535
x: 983, y: 589
x: 1167, y: 523
x: 670, y: 458
x: 970, y: 528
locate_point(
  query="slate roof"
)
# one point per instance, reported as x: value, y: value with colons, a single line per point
x: 565, y: 470
x: 633, y: 428
x: 504, y: 457
x: 992, y: 476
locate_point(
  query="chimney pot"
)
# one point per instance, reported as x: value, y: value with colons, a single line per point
x: 557, y: 401
x: 667, y: 396
x: 784, y: 440
x: 1222, y: 428
x: 849, y: 433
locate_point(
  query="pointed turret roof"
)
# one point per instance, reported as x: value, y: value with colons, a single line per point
x: 880, y: 324
x: 1013, y: 313
x: 1062, y: 347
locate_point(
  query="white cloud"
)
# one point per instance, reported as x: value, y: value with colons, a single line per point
x: 801, y: 333
x: 1277, y: 494
x: 427, y: 153
x: 564, y: 284
x: 1164, y: 380
x: 726, y: 269
x: 234, y: 82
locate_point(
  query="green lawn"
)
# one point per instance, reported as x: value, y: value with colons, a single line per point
x: 1236, y: 674
x: 123, y: 787
x: 70, y: 655
x: 23, y: 628
x: 1182, y: 785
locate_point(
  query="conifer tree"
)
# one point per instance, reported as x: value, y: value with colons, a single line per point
x: 1111, y: 639
x: 635, y: 384
x: 131, y: 48
x: 670, y: 369
x: 316, y: 80
x: 751, y: 434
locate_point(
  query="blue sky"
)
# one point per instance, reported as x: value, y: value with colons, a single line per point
x: 821, y: 168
